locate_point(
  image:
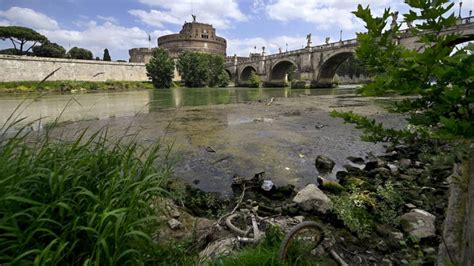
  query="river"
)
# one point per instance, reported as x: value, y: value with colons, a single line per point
x: 279, y: 131
x: 104, y: 105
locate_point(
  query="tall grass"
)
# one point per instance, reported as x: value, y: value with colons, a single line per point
x: 83, y: 201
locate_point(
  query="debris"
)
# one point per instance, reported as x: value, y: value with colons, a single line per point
x: 209, y: 149
x: 271, y: 101
x: 267, y: 185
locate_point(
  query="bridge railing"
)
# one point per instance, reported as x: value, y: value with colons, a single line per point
x: 317, y: 47
x: 466, y: 20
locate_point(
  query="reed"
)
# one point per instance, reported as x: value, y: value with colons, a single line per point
x: 82, y: 201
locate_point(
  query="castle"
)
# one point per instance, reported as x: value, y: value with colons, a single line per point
x: 194, y: 36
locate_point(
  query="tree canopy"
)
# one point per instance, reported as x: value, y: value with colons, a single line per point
x: 20, y: 36
x: 49, y: 49
x: 201, y: 69
x: 106, y: 56
x: 160, y: 69
x: 79, y: 53
x: 440, y: 74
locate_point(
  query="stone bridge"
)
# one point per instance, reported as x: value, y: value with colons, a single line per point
x: 317, y: 65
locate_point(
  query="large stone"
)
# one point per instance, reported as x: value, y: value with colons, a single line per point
x: 418, y: 223
x: 218, y: 249
x: 311, y: 198
x: 324, y: 164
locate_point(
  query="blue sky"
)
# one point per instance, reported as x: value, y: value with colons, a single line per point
x: 123, y: 24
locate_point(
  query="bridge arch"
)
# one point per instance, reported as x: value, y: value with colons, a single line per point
x: 246, y: 72
x: 329, y: 67
x: 279, y: 70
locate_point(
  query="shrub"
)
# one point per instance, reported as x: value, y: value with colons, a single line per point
x: 254, y: 80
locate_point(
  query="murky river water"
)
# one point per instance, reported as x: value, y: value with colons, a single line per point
x: 248, y: 131
x: 103, y: 105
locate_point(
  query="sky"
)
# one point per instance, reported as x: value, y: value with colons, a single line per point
x: 120, y: 25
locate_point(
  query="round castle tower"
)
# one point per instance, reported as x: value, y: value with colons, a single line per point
x: 194, y: 36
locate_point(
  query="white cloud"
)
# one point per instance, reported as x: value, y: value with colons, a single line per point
x: 96, y: 37
x: 220, y: 13
x: 109, y: 19
x: 4, y: 23
x: 243, y: 47
x: 155, y: 17
x: 325, y: 14
x: 29, y: 18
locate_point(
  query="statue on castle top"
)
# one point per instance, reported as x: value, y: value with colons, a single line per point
x: 194, y: 18
x: 308, y: 38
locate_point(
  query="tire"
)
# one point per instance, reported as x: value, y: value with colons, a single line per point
x: 289, y: 237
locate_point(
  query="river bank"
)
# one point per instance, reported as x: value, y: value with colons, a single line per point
x: 369, y: 190
x: 71, y: 86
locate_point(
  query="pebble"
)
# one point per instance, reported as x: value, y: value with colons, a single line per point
x: 174, y: 224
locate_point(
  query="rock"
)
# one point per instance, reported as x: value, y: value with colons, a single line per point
x: 405, y: 163
x: 418, y: 223
x: 311, y: 198
x: 341, y: 174
x: 175, y: 213
x: 324, y: 164
x: 267, y: 185
x: 329, y: 185
x: 410, y: 206
x: 371, y: 165
x: 356, y: 160
x: 393, y: 168
x: 174, y: 224
x: 220, y: 248
x: 380, y: 172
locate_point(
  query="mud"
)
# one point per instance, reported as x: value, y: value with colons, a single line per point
x: 282, y: 139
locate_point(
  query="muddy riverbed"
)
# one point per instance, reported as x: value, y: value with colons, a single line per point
x: 214, y: 143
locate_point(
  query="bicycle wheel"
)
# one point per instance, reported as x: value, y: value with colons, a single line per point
x: 300, y: 241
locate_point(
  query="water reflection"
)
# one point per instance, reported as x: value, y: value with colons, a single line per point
x: 103, y: 105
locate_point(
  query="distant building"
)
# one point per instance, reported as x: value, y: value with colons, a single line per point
x: 194, y: 36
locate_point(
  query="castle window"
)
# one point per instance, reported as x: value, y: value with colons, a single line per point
x: 204, y: 36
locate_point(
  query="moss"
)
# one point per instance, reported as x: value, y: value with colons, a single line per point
x: 332, y: 187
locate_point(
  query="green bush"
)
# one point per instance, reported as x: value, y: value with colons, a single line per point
x: 254, y: 80
x: 298, y: 84
x: 79, y: 202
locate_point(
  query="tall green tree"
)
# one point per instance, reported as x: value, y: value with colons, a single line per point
x: 160, y: 69
x: 106, y: 56
x: 193, y: 68
x: 49, y: 49
x: 439, y: 74
x: 20, y: 37
x: 79, y: 53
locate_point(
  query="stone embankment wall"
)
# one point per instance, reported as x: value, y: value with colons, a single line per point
x: 28, y: 68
